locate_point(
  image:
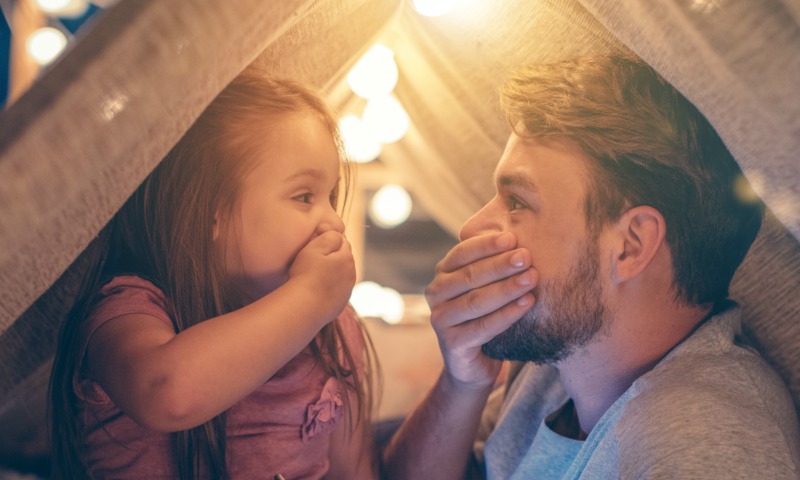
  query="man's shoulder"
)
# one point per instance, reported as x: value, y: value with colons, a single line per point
x: 708, y: 386
x: 712, y: 404
x: 712, y: 375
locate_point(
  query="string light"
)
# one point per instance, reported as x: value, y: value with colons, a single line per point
x: 45, y: 44
x: 433, y: 8
x: 370, y: 299
x: 386, y: 118
x: 359, y: 143
x: 63, y: 8
x: 375, y: 74
x: 390, y: 206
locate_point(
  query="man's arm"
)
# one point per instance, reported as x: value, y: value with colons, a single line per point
x: 481, y: 287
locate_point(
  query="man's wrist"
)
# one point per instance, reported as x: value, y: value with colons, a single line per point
x: 451, y: 383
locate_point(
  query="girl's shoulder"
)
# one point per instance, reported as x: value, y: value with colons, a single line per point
x: 130, y: 294
x: 124, y: 295
x: 120, y: 295
x: 119, y: 283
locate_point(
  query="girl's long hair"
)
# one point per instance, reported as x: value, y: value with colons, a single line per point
x: 163, y: 234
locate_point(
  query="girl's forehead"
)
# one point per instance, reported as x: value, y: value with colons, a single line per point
x: 295, y: 146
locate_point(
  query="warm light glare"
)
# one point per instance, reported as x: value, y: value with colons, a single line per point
x: 112, y: 105
x: 360, y: 145
x: 433, y: 8
x: 372, y: 300
x: 64, y: 8
x: 375, y: 74
x: 744, y: 191
x: 45, y: 44
x: 393, y: 306
x: 386, y: 118
x: 366, y: 299
x: 390, y: 206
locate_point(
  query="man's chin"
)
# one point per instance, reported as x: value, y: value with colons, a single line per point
x: 525, y: 341
x: 499, y: 351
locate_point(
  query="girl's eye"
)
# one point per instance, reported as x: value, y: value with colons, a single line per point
x: 303, y: 197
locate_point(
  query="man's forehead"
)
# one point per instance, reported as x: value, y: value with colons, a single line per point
x: 515, y: 165
x: 518, y: 177
x: 526, y: 162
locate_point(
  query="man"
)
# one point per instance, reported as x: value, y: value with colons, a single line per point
x: 603, y: 263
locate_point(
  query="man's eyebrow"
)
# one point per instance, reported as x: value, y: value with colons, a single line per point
x: 517, y: 179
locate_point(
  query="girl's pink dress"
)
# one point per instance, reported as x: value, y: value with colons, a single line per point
x: 283, y: 427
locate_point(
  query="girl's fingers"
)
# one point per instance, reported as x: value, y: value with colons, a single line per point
x: 327, y: 242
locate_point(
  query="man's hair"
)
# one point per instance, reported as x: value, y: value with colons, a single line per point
x: 652, y: 147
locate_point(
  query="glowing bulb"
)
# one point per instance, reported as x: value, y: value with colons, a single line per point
x: 433, y: 8
x: 390, y: 206
x: 64, y: 8
x: 360, y: 145
x: 372, y: 300
x: 393, y: 306
x: 366, y: 299
x: 375, y: 74
x: 45, y: 44
x: 387, y: 119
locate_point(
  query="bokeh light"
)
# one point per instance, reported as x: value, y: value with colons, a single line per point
x: 64, y: 8
x: 386, y: 118
x: 390, y: 206
x: 375, y: 74
x: 433, y: 8
x: 360, y: 143
x: 370, y: 299
x: 45, y: 44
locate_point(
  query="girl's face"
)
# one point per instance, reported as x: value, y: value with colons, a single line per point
x: 283, y: 203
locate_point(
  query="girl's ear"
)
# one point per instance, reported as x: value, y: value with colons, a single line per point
x: 638, y: 235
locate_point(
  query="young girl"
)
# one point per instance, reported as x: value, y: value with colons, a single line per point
x: 213, y: 337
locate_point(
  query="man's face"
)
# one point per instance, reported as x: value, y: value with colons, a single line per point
x: 541, y: 187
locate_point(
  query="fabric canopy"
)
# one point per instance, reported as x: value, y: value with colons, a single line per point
x: 80, y: 141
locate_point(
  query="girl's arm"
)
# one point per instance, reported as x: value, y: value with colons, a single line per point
x: 168, y: 382
x: 352, y: 453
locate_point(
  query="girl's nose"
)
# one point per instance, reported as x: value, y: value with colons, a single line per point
x: 331, y: 221
x: 485, y: 220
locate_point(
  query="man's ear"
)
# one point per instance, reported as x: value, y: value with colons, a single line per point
x: 638, y: 235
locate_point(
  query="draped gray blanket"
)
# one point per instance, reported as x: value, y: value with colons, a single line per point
x: 85, y: 135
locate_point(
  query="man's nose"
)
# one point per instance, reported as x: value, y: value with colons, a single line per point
x: 485, y: 220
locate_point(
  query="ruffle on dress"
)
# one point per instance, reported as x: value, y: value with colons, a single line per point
x: 321, y: 416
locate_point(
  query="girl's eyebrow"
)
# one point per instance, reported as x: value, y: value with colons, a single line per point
x: 517, y: 179
x: 307, y: 172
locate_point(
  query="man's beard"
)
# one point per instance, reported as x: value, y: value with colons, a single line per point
x: 567, y: 314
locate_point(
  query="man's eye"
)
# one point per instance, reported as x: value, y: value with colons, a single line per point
x: 303, y: 197
x: 514, y: 204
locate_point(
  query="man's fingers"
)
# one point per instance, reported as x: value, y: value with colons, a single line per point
x: 475, y: 333
x: 476, y: 248
x: 484, y: 300
x: 449, y: 285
